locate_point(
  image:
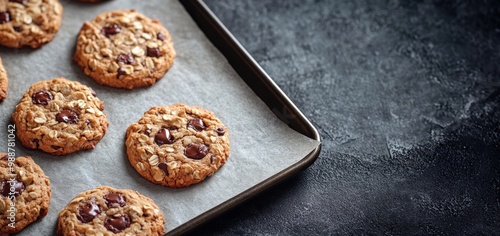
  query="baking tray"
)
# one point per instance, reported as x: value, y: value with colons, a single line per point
x: 262, y: 84
x: 199, y: 71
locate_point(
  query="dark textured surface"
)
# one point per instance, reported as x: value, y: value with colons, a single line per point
x: 406, y: 96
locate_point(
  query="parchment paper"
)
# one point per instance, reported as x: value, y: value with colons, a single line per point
x: 261, y: 145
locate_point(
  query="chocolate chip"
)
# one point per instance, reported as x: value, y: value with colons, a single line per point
x: 153, y: 52
x: 220, y: 131
x: 12, y: 187
x: 147, y: 132
x: 67, y: 116
x: 55, y: 147
x: 163, y: 136
x: 125, y: 58
x: 163, y: 166
x: 115, y: 200
x: 111, y: 30
x: 19, y: 1
x: 196, y: 150
x: 4, y: 17
x: 18, y: 28
x: 197, y: 124
x: 117, y: 224
x: 41, y: 97
x: 160, y: 36
x: 88, y: 212
x: 120, y: 72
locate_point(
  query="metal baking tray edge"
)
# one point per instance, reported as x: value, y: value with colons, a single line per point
x: 260, y: 82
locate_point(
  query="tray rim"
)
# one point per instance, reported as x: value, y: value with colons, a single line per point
x: 300, y: 123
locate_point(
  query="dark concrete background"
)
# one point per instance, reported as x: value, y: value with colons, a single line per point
x: 406, y: 96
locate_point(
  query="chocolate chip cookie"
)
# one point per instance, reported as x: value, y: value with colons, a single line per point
x: 24, y: 193
x: 108, y: 211
x: 4, y: 82
x: 59, y: 117
x: 124, y: 49
x: 178, y: 145
x: 29, y: 22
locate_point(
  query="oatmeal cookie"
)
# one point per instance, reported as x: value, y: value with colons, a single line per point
x: 25, y: 193
x: 29, y: 22
x: 124, y: 49
x: 4, y: 82
x: 178, y: 145
x: 59, y: 117
x: 108, y: 211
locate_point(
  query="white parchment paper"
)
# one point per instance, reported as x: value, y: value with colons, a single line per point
x: 261, y: 145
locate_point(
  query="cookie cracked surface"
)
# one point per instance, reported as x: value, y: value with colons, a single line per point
x: 29, y: 22
x: 4, y: 82
x: 178, y: 145
x: 59, y: 117
x: 109, y: 211
x: 24, y: 188
x: 124, y: 49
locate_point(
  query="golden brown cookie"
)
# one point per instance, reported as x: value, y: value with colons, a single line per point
x: 178, y: 145
x: 29, y: 22
x: 25, y: 193
x: 124, y: 49
x: 4, y: 82
x: 59, y: 117
x: 108, y: 211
